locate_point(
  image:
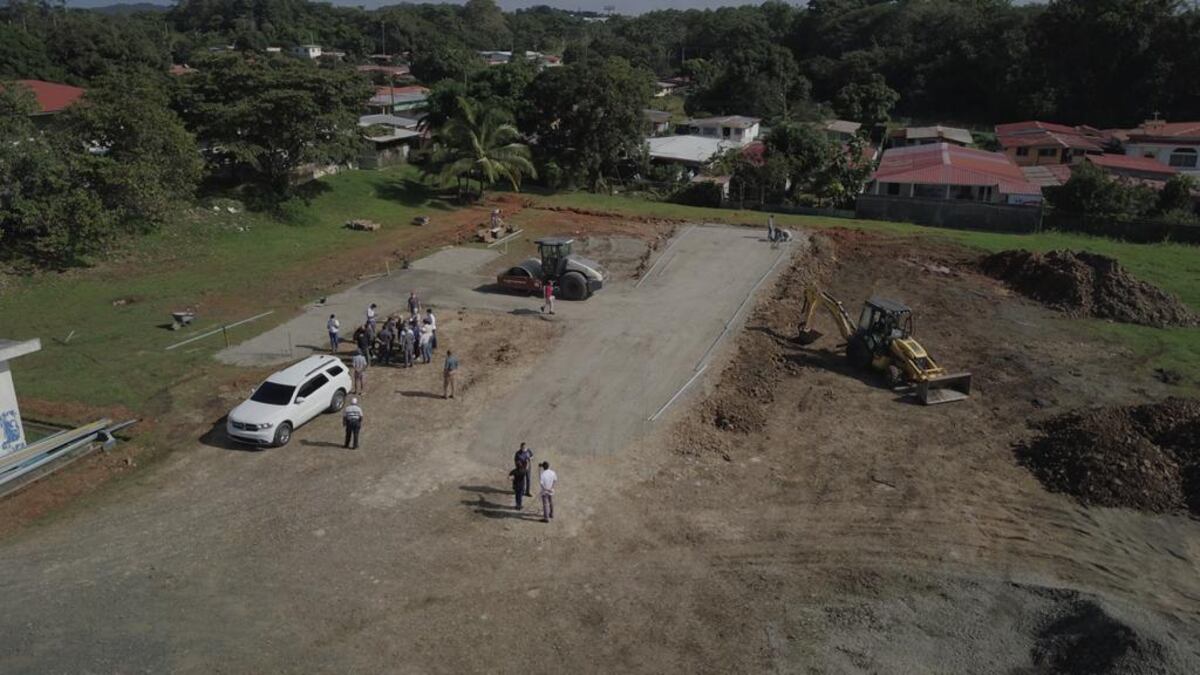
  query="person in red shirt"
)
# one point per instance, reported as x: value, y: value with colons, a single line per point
x: 548, y: 294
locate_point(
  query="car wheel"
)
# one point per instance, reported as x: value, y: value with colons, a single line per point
x: 574, y: 286
x: 283, y: 434
x: 338, y: 401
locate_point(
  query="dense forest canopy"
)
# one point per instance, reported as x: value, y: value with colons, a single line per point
x: 1101, y: 62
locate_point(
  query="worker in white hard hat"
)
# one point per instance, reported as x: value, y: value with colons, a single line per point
x: 352, y: 419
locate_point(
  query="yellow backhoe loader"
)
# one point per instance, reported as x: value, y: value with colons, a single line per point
x: 883, y: 340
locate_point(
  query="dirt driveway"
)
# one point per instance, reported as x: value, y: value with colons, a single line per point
x: 309, y: 557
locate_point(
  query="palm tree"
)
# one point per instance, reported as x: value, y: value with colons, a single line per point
x: 480, y: 143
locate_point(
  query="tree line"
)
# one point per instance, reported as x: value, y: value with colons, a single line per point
x: 1100, y: 62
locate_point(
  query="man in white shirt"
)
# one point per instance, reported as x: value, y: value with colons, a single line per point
x: 426, y: 343
x: 335, y: 333
x: 372, y: 313
x: 548, y: 480
x: 432, y: 321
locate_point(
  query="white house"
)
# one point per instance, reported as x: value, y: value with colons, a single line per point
x: 689, y: 150
x: 1173, y: 144
x: 734, y: 129
x: 12, y: 432
x: 310, y: 52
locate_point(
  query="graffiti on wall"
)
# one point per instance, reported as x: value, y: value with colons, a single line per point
x: 10, y: 432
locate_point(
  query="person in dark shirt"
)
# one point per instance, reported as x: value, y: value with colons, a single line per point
x: 519, y: 475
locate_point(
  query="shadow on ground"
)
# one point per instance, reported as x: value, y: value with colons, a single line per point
x: 216, y: 437
x: 414, y: 193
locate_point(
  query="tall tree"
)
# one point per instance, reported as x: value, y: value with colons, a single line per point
x: 271, y: 116
x: 587, y: 117
x: 481, y: 143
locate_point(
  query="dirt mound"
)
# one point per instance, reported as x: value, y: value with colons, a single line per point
x: 1087, y: 284
x: 1144, y: 457
x: 1084, y: 640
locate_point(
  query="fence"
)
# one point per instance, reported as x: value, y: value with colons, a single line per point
x: 959, y: 215
x: 1141, y: 231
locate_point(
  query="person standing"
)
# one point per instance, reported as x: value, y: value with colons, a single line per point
x: 520, y: 476
x: 372, y: 314
x: 335, y: 333
x: 352, y: 419
x: 448, y: 372
x: 771, y: 227
x: 407, y: 344
x: 362, y: 340
x: 426, y: 342
x: 387, y: 342
x: 548, y: 295
x: 414, y: 304
x: 359, y: 365
x: 432, y: 321
x: 548, y: 480
x: 524, y: 459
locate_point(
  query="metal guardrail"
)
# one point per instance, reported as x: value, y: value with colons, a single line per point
x: 73, y: 443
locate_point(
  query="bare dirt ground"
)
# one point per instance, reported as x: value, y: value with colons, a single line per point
x: 828, y: 527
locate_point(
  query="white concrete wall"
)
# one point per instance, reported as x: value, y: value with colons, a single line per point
x: 1162, y: 154
x: 12, y: 433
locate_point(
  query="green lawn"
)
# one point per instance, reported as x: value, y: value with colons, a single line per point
x: 220, y: 261
x: 233, y: 265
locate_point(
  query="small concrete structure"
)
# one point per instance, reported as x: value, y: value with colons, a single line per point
x: 12, y: 433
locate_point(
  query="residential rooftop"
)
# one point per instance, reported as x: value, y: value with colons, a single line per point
x: 949, y: 164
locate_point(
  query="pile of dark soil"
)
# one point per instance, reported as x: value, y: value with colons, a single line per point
x: 1145, y: 457
x: 1087, y: 284
x: 1084, y: 640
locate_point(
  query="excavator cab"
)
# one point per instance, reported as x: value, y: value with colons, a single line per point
x: 886, y: 319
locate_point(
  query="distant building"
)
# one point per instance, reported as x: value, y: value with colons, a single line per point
x: 949, y: 172
x: 394, y: 100
x: 310, y: 52
x: 664, y: 88
x: 1172, y: 144
x: 1131, y: 168
x: 657, y: 121
x: 840, y: 130
x: 51, y: 97
x: 735, y: 129
x: 388, y: 139
x: 910, y: 136
x: 1037, y: 143
x: 689, y: 150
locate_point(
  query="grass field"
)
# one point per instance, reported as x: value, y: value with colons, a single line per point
x: 224, y: 263
x: 234, y: 265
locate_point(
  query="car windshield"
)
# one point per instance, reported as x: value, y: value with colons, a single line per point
x: 273, y: 393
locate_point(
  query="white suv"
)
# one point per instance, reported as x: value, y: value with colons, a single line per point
x: 288, y: 399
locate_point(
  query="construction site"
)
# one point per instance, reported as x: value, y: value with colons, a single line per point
x: 848, y: 452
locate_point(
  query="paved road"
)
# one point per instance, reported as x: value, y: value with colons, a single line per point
x: 310, y: 558
x: 627, y: 353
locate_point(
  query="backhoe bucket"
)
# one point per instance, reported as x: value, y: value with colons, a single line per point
x: 945, y: 389
x: 807, y: 336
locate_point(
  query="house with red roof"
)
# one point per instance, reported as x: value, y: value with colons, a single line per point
x: 1173, y: 144
x: 52, y: 97
x: 1129, y: 168
x: 945, y: 171
x: 1036, y: 143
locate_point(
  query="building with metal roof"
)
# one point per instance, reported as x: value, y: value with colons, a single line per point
x: 1035, y: 143
x: 930, y: 136
x: 950, y: 172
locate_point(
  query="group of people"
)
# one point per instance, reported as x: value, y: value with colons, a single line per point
x: 522, y: 476
x: 776, y: 235
x: 398, y: 341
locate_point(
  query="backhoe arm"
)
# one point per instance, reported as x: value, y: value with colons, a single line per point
x: 813, y: 297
